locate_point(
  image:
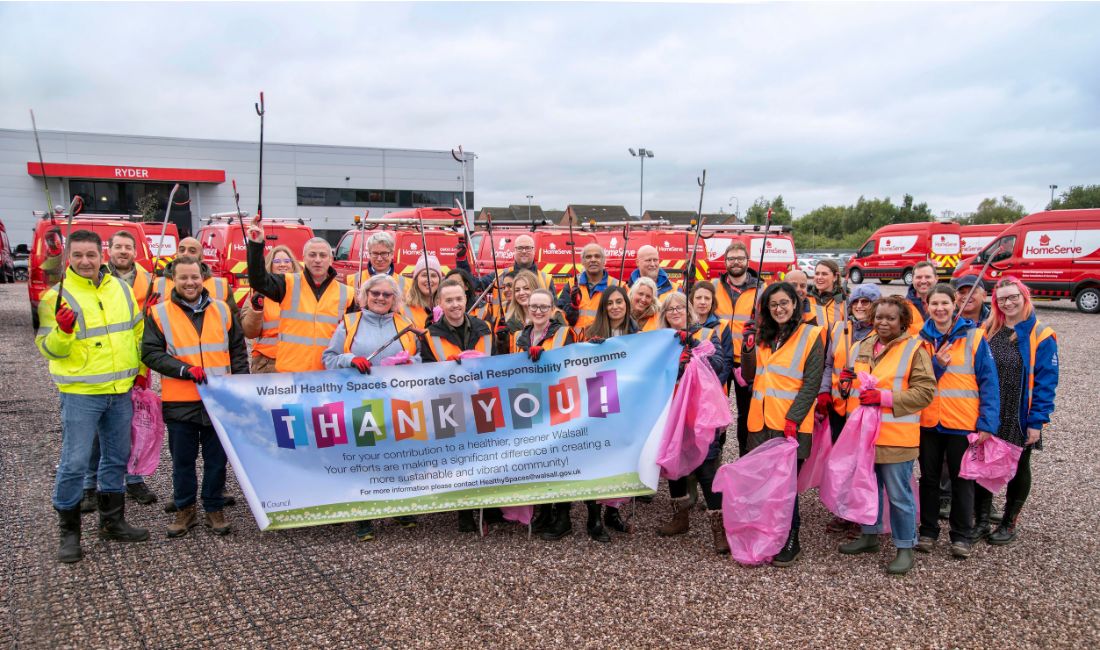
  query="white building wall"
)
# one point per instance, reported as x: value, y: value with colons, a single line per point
x: 286, y: 167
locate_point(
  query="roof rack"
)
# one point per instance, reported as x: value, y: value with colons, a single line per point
x: 232, y: 216
x: 736, y: 227
x: 532, y: 224
x: 369, y: 224
x: 41, y: 214
x: 648, y: 224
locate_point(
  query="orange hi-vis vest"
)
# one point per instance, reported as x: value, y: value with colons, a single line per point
x: 443, y: 349
x: 826, y: 316
x: 590, y: 303
x: 218, y: 288
x: 892, y: 372
x: 307, y: 324
x: 268, y: 342
x: 843, y: 350
x: 208, y: 350
x: 351, y: 326
x: 956, y: 402
x: 356, y: 280
x: 917, y: 323
x: 141, y: 285
x: 778, y: 380
x: 556, y: 341
x: 737, y: 313
x: 649, y: 324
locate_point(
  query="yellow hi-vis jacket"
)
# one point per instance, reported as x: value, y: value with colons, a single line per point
x: 102, y: 355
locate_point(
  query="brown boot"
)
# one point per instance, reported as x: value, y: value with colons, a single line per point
x: 216, y: 522
x: 186, y: 519
x: 718, y: 531
x: 681, y: 518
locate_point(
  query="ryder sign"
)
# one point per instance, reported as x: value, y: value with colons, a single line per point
x: 325, y: 447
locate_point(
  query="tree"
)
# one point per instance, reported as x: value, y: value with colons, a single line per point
x: 149, y: 207
x: 1003, y: 210
x: 758, y: 213
x: 1078, y: 197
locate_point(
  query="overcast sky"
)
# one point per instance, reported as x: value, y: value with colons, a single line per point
x: 821, y: 103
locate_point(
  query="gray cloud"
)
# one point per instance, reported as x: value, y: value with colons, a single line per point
x: 822, y: 103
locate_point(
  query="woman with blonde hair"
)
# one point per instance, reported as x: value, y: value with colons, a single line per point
x: 423, y: 291
x: 260, y: 318
x: 644, y: 304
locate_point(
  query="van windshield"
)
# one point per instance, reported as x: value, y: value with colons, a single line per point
x: 1003, y: 246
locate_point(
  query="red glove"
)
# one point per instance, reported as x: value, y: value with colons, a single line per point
x: 534, y: 352
x: 748, y: 333
x: 685, y: 356
x: 870, y: 397
x: 456, y: 358
x: 462, y: 249
x: 501, y: 329
x: 823, y: 402
x: 683, y: 335
x: 257, y: 301
x: 66, y: 320
x: 847, y: 375
x: 790, y: 428
x: 152, y: 299
x: 362, y: 364
x: 195, y: 374
x: 141, y: 381
x: 575, y: 296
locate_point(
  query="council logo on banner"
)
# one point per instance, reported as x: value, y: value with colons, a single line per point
x: 364, y: 423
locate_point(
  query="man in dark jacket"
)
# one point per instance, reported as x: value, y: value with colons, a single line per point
x: 185, y: 339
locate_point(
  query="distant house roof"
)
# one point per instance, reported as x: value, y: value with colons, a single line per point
x: 554, y: 216
x: 520, y: 212
x: 584, y: 213
x: 683, y: 217
x: 515, y: 212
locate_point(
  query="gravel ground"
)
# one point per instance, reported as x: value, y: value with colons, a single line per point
x: 432, y: 587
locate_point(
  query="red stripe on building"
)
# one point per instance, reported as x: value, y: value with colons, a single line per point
x: 128, y: 173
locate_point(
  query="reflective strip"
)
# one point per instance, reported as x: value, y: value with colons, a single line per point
x: 587, y: 312
x: 42, y: 346
x: 796, y: 360
x: 487, y: 344
x: 319, y: 318
x: 704, y: 333
x: 438, y: 349
x: 967, y: 366
x: 268, y: 340
x: 958, y: 393
x: 161, y: 311
x: 302, y: 340
x: 200, y: 348
x: 94, y: 379
x: 559, y: 337
x: 216, y: 370
x: 772, y: 392
x: 899, y: 377
x: 107, y: 329
x: 740, y: 317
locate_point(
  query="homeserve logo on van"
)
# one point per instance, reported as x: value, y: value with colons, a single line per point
x: 1060, y: 243
x: 897, y: 244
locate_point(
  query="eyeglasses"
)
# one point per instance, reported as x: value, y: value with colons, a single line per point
x: 1004, y: 300
x: 780, y: 304
x: 380, y: 294
x: 736, y: 259
x: 381, y: 253
x: 525, y: 248
x: 861, y: 301
x: 539, y: 308
x: 675, y: 310
x: 282, y: 260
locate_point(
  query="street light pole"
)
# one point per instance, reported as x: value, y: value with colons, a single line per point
x: 529, y: 197
x: 736, y: 211
x: 1052, y: 188
x: 642, y: 153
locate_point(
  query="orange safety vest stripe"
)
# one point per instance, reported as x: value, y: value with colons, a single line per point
x: 217, y: 287
x: 208, y: 350
x: 843, y: 349
x: 351, y: 326
x: 444, y: 349
x: 956, y: 403
x: 307, y: 324
x: 778, y: 380
x: 892, y: 372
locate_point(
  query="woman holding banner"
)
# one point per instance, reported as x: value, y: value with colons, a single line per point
x: 612, y: 319
x: 543, y: 333
x: 784, y: 366
x: 371, y: 336
x: 260, y: 318
x: 906, y: 384
x: 643, y: 304
x: 674, y: 315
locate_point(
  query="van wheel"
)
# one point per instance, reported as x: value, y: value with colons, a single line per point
x: 855, y: 276
x: 20, y: 275
x: 907, y: 277
x: 885, y: 280
x: 1088, y: 300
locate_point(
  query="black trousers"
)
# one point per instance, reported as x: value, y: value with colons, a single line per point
x: 705, y: 474
x: 935, y: 447
x: 742, y: 397
x: 1018, y: 488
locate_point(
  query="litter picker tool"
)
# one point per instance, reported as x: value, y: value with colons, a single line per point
x: 702, y: 181
x: 622, y: 259
x: 42, y: 168
x: 260, y: 190
x: 573, y: 250
x: 404, y: 330
x: 427, y: 273
x: 74, y: 208
x: 760, y: 268
x: 496, y: 269
x: 164, y: 232
x: 989, y: 262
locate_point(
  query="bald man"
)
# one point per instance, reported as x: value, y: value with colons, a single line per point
x: 524, y: 261
x: 648, y: 261
x: 801, y: 283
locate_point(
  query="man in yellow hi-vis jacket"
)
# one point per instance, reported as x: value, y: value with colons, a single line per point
x: 92, y: 343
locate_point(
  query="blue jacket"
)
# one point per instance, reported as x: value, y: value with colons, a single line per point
x: 664, y: 285
x: 918, y: 302
x: 985, y: 371
x: 1045, y: 373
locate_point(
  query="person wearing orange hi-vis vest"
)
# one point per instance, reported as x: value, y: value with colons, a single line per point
x: 967, y: 401
x: 734, y: 302
x: 445, y: 340
x: 260, y: 318
x: 906, y: 384
x: 580, y: 301
x: 188, y: 338
x: 644, y: 304
x: 380, y: 247
x: 784, y: 367
x: 311, y: 303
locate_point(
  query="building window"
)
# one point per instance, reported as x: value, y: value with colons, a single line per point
x: 357, y: 198
x: 110, y: 197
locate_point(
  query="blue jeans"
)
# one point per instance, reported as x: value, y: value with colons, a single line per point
x: 85, y: 419
x: 184, y: 441
x: 93, y: 469
x: 896, y: 477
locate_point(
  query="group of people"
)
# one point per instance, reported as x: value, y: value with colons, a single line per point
x: 947, y: 365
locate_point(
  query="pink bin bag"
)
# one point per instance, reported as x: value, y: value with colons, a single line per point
x: 699, y: 407
x: 758, y: 493
x: 849, y: 488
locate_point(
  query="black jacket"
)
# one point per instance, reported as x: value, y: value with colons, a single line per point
x: 274, y: 286
x: 523, y: 341
x: 154, y: 353
x: 465, y: 336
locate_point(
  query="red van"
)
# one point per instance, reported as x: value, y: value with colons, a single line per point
x: 671, y: 245
x: 552, y: 251
x: 7, y: 260
x: 779, y: 252
x: 892, y: 251
x: 224, y: 251
x: 46, y: 262
x: 442, y: 242
x: 163, y: 252
x: 1056, y: 253
x: 975, y: 238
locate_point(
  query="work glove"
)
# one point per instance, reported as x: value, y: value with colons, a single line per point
x: 362, y: 364
x: 685, y: 356
x: 823, y: 401
x: 456, y: 358
x: 870, y: 397
x: 66, y: 320
x: 257, y: 301
x: 575, y: 296
x: 749, y: 335
x: 790, y: 428
x: 598, y: 340
x: 194, y: 373
x: 462, y: 249
x: 683, y: 335
x: 847, y: 375
x: 141, y: 381
x: 534, y: 352
x: 152, y: 299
